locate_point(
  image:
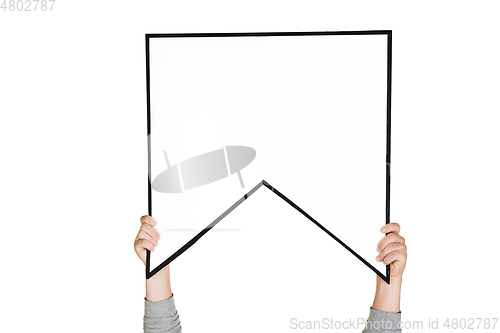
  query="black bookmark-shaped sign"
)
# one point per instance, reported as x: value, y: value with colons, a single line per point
x: 310, y: 111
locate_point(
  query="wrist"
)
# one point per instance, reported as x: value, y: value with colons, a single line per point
x: 158, y: 286
x: 388, y: 296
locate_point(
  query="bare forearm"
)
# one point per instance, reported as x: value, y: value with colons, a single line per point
x: 158, y: 286
x: 160, y: 314
x: 388, y: 297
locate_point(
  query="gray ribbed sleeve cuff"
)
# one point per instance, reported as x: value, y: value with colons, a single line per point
x: 161, y: 316
x: 380, y: 322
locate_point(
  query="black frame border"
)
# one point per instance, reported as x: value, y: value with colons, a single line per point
x: 388, y: 33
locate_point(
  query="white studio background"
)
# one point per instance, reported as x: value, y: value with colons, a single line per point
x: 74, y: 170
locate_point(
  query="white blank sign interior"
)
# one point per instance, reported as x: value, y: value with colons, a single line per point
x: 304, y: 115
